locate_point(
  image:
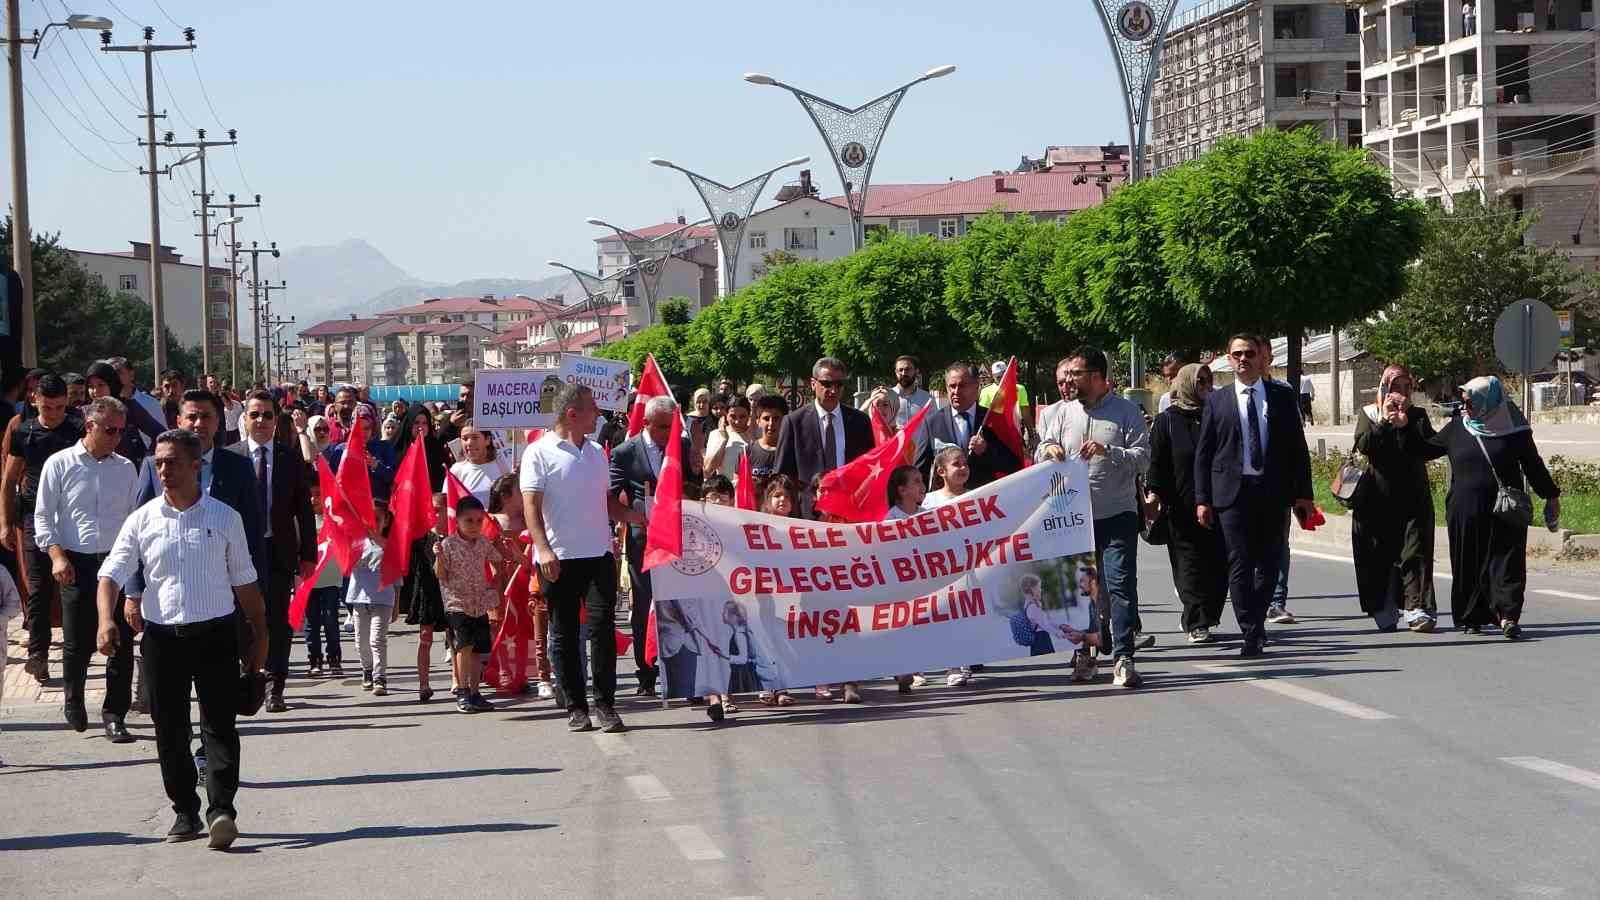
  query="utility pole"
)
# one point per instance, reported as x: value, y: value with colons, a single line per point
x: 266, y: 315
x: 233, y: 279
x: 274, y: 323
x: 255, y: 252
x: 21, y: 232
x: 149, y: 48
x: 199, y: 146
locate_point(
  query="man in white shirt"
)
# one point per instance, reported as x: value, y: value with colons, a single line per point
x: 568, y: 505
x: 86, y: 492
x: 196, y: 561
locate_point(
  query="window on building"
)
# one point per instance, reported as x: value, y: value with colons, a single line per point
x: 1286, y: 83
x: 800, y: 238
x: 1352, y: 21
x: 630, y: 295
x: 758, y: 240
x: 219, y: 336
x: 907, y: 227
x: 1061, y: 220
x: 949, y: 228
x: 1352, y: 78
x: 127, y: 282
x: 219, y: 283
x: 219, y: 310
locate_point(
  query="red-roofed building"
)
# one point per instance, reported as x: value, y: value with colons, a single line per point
x: 494, y: 313
x: 576, y: 332
x: 336, y: 351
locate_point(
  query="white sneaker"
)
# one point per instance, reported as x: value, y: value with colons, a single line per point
x: 1277, y: 615
x: 546, y: 690
x: 958, y: 677
x: 919, y: 680
x: 1126, y: 675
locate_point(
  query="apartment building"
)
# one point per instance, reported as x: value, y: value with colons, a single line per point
x: 337, y: 351
x: 192, y: 314
x: 1239, y: 67
x: 494, y: 313
x: 1498, y: 97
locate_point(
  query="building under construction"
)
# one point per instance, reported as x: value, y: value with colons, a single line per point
x: 1238, y: 67
x: 1494, y: 96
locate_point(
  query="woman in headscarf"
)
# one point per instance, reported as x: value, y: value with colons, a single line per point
x: 415, y: 425
x: 316, y: 440
x: 1488, y: 444
x: 1391, y: 514
x: 381, y: 459
x: 1199, y: 561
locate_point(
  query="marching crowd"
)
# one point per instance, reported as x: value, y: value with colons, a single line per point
x: 183, y: 522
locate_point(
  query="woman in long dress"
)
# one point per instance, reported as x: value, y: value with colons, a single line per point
x: 1391, y: 514
x: 1490, y: 443
x: 1199, y: 560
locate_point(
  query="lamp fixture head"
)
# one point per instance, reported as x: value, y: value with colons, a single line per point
x: 759, y: 78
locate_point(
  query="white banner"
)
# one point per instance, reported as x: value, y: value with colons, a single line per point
x: 513, y: 398
x: 609, y: 379
x: 760, y: 602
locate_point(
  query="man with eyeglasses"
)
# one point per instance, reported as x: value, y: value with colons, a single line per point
x: 289, y: 540
x: 86, y: 492
x: 1108, y: 433
x: 964, y: 423
x: 1250, y: 465
x: 816, y: 439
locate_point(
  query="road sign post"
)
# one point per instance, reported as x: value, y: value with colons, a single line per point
x: 1526, y: 337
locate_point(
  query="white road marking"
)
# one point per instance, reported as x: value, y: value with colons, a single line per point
x: 648, y: 787
x: 1334, y: 557
x: 612, y: 744
x: 1580, y: 777
x: 693, y: 843
x: 1565, y: 594
x: 1303, y: 694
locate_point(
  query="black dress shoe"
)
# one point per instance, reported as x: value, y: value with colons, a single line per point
x: 186, y: 827
x: 645, y: 690
x: 76, y: 716
x: 1251, y: 650
x: 116, y: 732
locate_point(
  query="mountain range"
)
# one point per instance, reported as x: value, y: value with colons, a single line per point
x: 352, y: 277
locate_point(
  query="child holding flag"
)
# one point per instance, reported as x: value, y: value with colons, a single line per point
x: 373, y: 603
x: 463, y: 568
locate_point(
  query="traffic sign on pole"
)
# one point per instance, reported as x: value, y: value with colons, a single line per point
x: 1526, y: 337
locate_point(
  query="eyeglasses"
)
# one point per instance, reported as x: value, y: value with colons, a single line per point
x: 831, y: 385
x: 262, y: 414
x: 1242, y: 354
x: 110, y: 429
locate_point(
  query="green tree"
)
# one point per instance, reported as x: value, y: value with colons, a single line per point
x: 1285, y: 231
x: 888, y: 299
x: 77, y: 320
x: 776, y: 317
x: 676, y: 311
x: 1474, y: 264
x: 994, y: 287
x: 715, y: 341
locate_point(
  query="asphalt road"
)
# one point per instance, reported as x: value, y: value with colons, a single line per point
x: 1343, y: 764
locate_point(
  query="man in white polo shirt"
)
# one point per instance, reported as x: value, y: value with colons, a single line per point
x: 568, y: 506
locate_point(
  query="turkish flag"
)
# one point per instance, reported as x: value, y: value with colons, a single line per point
x: 410, y: 512
x: 744, y: 493
x: 302, y: 594
x: 651, y: 385
x: 454, y: 490
x: 1002, y: 419
x: 880, y: 429
x: 664, y: 535
x: 342, y: 528
x: 354, y: 481
x: 859, y: 491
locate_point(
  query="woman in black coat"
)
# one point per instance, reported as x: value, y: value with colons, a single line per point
x: 1199, y: 561
x: 418, y: 424
x: 1391, y: 514
x: 1489, y: 444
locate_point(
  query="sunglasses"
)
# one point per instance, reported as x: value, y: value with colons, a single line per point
x: 1242, y: 354
x: 831, y: 385
x: 110, y: 429
x: 262, y: 414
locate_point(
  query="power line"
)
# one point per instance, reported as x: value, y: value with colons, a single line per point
x: 165, y: 14
x: 83, y: 122
x: 172, y: 96
x: 53, y: 127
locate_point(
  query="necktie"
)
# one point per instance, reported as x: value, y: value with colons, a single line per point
x: 1252, y: 412
x: 830, y: 447
x: 262, y: 493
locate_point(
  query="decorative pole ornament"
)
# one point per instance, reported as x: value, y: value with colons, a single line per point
x: 648, y: 256
x: 599, y: 293
x: 852, y: 135
x: 1137, y: 31
x: 730, y: 209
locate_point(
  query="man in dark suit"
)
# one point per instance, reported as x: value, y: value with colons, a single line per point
x: 289, y: 540
x: 963, y: 424
x: 824, y: 434
x: 635, y: 466
x: 1250, y: 464
x: 223, y: 475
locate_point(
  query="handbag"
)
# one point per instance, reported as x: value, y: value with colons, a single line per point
x: 1347, y: 479
x: 1511, y: 504
x: 1155, y: 529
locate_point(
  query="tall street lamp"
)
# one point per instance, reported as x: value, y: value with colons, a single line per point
x: 649, y: 255
x: 598, y: 293
x: 21, y: 232
x: 730, y: 209
x: 852, y: 135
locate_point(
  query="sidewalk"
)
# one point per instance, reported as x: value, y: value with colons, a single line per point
x: 1574, y: 440
x: 22, y: 690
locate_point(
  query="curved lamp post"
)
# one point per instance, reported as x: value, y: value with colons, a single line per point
x: 730, y: 208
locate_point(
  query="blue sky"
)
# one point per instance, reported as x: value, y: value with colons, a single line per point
x: 472, y: 139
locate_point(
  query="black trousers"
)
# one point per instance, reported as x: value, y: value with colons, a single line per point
x: 279, y: 588
x: 1199, y: 572
x: 639, y: 622
x: 41, y: 591
x: 206, y: 656
x: 80, y: 625
x: 590, y: 583
x: 1252, y: 532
